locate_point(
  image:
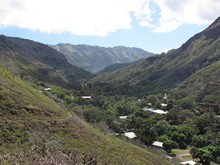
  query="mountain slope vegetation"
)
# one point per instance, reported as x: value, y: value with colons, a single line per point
x: 169, y: 70
x: 35, y: 129
x: 31, y: 59
x: 95, y: 58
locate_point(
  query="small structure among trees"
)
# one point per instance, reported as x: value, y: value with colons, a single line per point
x: 157, y: 144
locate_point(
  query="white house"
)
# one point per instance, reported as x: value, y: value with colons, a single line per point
x: 130, y: 135
x: 163, y: 105
x: 190, y: 162
x: 157, y: 144
x: 86, y: 97
x: 123, y: 117
x: 158, y: 111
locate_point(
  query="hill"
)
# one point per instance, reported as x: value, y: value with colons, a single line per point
x: 36, y: 127
x: 34, y: 60
x: 168, y: 70
x: 37, y: 130
x: 95, y: 58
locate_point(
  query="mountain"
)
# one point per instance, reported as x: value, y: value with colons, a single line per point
x: 32, y: 59
x: 36, y: 127
x: 95, y: 58
x: 168, y: 70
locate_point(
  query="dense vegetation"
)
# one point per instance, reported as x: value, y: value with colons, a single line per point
x: 186, y: 123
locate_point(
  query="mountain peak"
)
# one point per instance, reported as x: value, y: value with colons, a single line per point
x: 215, y: 24
x: 213, y: 31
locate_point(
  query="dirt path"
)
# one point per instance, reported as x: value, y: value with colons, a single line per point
x: 182, y: 155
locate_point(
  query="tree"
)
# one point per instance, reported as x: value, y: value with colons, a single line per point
x: 178, y: 137
x: 161, y: 127
x: 200, y: 141
x: 92, y: 115
x: 152, y: 99
x: 203, y: 154
x: 169, y: 145
x: 186, y: 103
x: 188, y: 131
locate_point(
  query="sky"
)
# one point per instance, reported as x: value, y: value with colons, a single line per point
x: 153, y: 25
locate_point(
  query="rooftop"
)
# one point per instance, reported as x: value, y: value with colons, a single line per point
x: 130, y: 135
x: 157, y: 144
x: 190, y: 162
x: 158, y: 111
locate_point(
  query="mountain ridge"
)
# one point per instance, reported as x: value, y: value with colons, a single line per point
x: 170, y: 69
x: 96, y: 58
x: 32, y: 59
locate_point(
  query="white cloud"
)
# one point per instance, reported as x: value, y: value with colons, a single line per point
x: 101, y: 17
x: 177, y: 12
x: 80, y: 17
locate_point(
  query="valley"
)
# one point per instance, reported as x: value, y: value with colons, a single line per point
x: 53, y: 112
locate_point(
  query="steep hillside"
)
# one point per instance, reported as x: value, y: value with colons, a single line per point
x: 31, y: 59
x: 203, y: 86
x: 95, y: 58
x: 36, y: 130
x: 168, y: 70
x: 114, y: 67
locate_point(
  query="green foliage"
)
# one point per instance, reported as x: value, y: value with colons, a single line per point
x: 178, y: 137
x: 188, y: 131
x: 186, y: 103
x: 204, y: 155
x: 63, y: 94
x: 92, y: 115
x: 168, y: 145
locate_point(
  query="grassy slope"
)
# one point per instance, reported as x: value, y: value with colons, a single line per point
x: 30, y: 118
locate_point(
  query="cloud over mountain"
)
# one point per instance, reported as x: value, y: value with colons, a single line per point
x: 101, y: 17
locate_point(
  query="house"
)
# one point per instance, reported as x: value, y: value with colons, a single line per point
x: 163, y: 105
x: 190, y: 162
x: 158, y: 111
x: 47, y: 89
x: 123, y: 117
x: 157, y: 144
x: 86, y: 97
x: 161, y: 112
x: 130, y: 135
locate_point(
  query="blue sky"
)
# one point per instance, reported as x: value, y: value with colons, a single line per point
x: 153, y: 25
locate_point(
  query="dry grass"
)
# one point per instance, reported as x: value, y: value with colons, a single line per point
x: 48, y: 158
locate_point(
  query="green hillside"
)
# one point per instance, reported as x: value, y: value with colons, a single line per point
x: 36, y: 130
x: 32, y: 60
x: 168, y: 70
x: 203, y: 86
x: 114, y: 67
